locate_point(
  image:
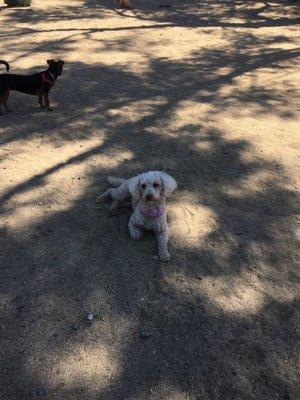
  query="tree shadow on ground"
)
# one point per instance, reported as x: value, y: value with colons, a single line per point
x: 221, y: 315
x: 219, y: 321
x: 162, y: 88
x: 223, y: 14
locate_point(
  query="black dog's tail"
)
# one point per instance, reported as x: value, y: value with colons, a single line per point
x: 5, y: 63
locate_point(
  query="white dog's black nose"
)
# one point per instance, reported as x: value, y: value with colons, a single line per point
x: 149, y: 197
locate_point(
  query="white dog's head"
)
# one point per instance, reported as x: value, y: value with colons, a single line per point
x: 152, y: 186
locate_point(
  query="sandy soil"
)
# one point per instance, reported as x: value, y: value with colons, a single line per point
x: 206, y: 90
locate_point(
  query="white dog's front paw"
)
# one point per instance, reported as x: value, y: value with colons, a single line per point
x: 135, y: 233
x: 164, y: 256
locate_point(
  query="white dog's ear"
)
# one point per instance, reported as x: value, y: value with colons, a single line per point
x: 169, y: 183
x: 134, y: 187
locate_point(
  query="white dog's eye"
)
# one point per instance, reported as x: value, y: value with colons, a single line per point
x: 155, y: 185
x: 143, y: 186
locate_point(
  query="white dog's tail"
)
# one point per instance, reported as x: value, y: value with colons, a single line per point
x: 115, y: 181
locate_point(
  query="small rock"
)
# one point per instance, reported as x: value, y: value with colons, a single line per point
x: 76, y: 327
x: 24, y: 283
x: 144, y: 335
x: 90, y: 317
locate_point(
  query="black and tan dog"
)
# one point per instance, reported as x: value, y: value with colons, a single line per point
x: 38, y: 84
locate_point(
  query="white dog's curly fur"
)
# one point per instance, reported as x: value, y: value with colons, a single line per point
x: 147, y: 193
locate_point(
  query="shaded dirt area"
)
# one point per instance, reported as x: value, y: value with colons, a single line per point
x: 207, y: 91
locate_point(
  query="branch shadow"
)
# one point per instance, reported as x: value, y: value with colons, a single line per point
x: 226, y: 14
x: 222, y: 315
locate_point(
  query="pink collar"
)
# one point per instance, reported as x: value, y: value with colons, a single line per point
x: 152, y: 212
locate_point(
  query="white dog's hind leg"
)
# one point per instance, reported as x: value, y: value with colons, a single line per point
x: 115, y: 181
x: 119, y: 194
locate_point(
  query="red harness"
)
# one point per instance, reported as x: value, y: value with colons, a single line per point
x: 47, y: 83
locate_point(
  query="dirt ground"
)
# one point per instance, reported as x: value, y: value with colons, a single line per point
x: 207, y: 91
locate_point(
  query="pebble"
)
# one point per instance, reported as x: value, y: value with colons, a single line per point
x: 144, y: 335
x: 90, y: 317
x: 75, y: 327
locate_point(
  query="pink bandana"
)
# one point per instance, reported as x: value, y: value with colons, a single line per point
x: 153, y: 212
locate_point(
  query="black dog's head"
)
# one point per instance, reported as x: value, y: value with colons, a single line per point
x: 55, y: 67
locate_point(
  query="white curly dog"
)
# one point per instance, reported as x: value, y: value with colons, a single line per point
x: 147, y: 193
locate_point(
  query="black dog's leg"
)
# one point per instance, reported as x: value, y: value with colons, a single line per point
x: 5, y: 101
x: 1, y: 102
x: 41, y: 101
x: 47, y: 102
